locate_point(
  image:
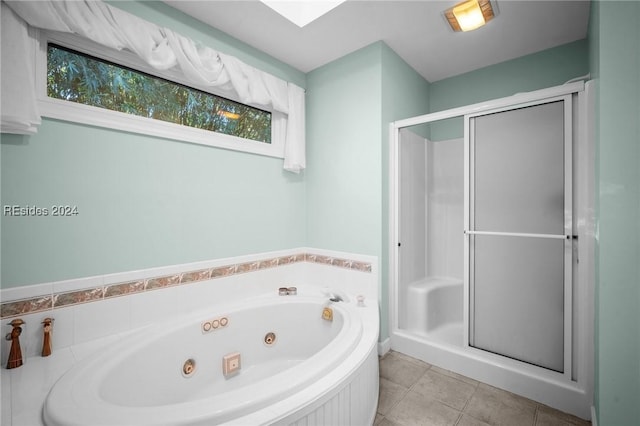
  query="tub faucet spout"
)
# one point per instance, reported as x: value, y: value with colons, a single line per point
x: 335, y: 297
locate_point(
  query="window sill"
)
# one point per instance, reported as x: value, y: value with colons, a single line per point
x: 94, y: 116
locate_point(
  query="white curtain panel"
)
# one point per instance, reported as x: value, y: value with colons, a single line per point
x: 294, y: 153
x: 159, y: 47
x: 19, y: 107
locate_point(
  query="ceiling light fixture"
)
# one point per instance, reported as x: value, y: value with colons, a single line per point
x: 469, y: 15
x: 302, y: 12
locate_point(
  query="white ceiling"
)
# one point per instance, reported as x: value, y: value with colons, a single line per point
x: 416, y: 30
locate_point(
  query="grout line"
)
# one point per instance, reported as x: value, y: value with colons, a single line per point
x: 404, y: 394
x: 466, y: 404
x: 458, y: 420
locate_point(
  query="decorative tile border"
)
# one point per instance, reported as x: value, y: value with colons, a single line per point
x: 63, y: 299
x: 27, y: 306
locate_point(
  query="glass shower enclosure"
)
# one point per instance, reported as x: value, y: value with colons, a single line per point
x: 491, y: 243
x: 519, y: 232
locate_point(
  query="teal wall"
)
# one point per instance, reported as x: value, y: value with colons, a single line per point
x: 344, y: 154
x: 143, y: 201
x: 548, y: 68
x: 350, y: 103
x: 615, y: 58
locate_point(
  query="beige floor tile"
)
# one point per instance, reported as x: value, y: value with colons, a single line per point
x: 408, y: 358
x: 446, y: 389
x: 387, y: 422
x: 413, y: 392
x: 500, y: 408
x: 455, y: 375
x: 390, y: 394
x: 509, y: 398
x: 417, y: 410
x: 402, y: 369
x: 466, y: 420
x: 548, y: 416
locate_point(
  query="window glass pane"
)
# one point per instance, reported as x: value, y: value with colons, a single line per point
x: 76, y: 77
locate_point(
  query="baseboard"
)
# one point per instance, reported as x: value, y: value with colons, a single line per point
x: 384, y: 346
x: 594, y: 417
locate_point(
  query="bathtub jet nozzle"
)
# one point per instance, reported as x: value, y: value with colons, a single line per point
x: 270, y: 338
x: 189, y: 367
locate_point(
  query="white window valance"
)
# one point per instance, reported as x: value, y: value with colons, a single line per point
x: 159, y: 47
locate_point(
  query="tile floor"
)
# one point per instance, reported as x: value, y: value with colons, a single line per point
x: 413, y: 392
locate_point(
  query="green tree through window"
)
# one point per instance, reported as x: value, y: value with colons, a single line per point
x: 76, y: 77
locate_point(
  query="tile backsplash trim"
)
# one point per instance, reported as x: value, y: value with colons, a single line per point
x: 62, y: 299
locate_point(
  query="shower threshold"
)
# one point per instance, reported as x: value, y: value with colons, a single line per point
x: 450, y: 333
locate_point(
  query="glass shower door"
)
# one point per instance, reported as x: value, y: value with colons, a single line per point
x: 518, y: 232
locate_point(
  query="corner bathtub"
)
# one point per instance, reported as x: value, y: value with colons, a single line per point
x: 315, y: 370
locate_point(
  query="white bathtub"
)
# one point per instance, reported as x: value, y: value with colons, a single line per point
x: 312, y: 364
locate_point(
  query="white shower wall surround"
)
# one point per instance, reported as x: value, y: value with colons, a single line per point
x: 432, y: 259
x: 431, y: 212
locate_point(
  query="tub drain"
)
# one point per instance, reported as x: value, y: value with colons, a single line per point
x: 269, y: 339
x: 189, y: 367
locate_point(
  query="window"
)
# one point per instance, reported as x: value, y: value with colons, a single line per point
x: 78, y: 81
x: 84, y: 79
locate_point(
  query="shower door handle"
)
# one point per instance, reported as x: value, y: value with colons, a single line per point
x: 521, y: 234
